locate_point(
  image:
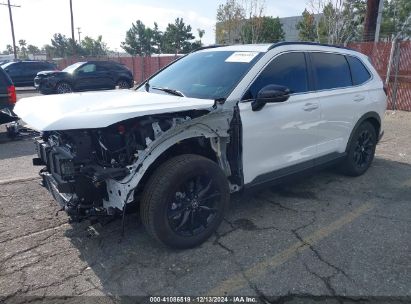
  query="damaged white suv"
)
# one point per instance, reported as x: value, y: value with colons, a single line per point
x: 214, y: 122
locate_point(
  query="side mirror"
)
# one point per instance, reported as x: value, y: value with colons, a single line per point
x: 270, y: 93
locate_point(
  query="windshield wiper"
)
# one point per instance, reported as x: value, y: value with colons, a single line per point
x: 169, y: 91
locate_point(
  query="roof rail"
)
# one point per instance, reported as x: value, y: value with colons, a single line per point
x: 278, y: 44
x: 212, y: 46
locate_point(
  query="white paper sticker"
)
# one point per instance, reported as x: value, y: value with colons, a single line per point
x: 245, y: 57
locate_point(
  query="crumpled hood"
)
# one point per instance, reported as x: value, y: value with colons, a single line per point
x: 51, y: 73
x: 99, y: 109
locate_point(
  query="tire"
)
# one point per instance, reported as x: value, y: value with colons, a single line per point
x: 361, y: 150
x: 63, y: 87
x: 123, y: 84
x: 184, y: 201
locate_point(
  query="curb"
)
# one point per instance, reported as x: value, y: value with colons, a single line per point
x: 18, y: 180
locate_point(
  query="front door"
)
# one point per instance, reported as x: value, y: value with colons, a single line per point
x: 281, y: 137
x: 87, y: 78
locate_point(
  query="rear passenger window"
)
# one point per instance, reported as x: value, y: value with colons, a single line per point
x: 331, y: 71
x: 288, y: 70
x: 359, y: 72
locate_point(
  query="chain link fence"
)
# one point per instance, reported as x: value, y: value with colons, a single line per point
x: 393, y: 62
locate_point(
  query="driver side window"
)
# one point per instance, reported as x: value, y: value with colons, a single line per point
x: 88, y: 68
x: 288, y: 70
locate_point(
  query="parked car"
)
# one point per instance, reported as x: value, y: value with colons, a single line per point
x: 22, y: 73
x: 7, y: 98
x: 217, y: 121
x: 85, y: 76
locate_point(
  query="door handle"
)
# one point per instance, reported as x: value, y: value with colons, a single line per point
x: 310, y: 106
x: 359, y: 98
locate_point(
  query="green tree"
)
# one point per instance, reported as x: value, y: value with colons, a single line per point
x: 32, y: 49
x: 230, y: 18
x: 157, y: 39
x: 139, y: 40
x: 200, y: 35
x: 23, y: 49
x: 177, y: 37
x: 93, y: 47
x: 307, y: 27
x: 395, y: 19
x: 271, y: 30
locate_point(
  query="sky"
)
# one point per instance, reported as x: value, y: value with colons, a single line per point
x: 37, y: 20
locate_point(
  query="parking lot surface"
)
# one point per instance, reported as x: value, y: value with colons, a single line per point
x: 323, y: 237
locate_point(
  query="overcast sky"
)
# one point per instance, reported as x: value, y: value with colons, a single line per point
x: 37, y: 20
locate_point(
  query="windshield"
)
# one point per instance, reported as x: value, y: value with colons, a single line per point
x: 6, y: 65
x: 206, y: 75
x: 71, y: 68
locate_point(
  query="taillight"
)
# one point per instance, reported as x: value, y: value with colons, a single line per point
x: 11, y: 91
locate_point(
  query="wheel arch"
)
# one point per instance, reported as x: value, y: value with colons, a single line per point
x: 372, y: 117
x: 192, y: 145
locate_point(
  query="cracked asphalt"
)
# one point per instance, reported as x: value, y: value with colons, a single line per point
x: 324, y: 237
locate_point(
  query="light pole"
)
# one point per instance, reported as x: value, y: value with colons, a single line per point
x: 12, y: 26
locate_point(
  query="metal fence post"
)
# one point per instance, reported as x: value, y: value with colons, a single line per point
x: 396, y: 71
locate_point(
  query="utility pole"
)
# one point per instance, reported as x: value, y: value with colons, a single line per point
x: 72, y: 22
x: 78, y: 30
x: 12, y: 26
x: 371, y: 20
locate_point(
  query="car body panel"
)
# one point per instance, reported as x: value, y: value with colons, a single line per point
x: 99, y: 109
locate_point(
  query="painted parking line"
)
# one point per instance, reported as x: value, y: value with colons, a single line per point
x: 237, y: 281
x: 18, y: 180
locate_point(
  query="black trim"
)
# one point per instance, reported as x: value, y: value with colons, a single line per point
x: 278, y: 44
x: 280, y: 175
x: 363, y: 118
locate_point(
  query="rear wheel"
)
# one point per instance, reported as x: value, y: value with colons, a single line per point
x: 184, y: 201
x: 63, y: 87
x: 360, y: 153
x: 123, y: 84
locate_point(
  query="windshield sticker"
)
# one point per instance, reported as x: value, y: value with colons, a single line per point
x: 245, y: 57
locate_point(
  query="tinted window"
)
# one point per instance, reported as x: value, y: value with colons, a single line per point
x: 208, y: 75
x: 359, y: 72
x: 88, y: 68
x: 289, y: 70
x: 331, y: 71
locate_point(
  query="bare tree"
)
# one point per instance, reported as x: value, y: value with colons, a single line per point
x: 254, y: 11
x: 338, y: 21
x: 230, y: 17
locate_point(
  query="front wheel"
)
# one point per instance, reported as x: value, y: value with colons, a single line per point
x: 361, y: 151
x: 63, y: 87
x: 184, y: 201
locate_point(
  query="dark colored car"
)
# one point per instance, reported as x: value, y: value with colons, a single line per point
x: 7, y: 98
x: 85, y: 76
x: 22, y: 73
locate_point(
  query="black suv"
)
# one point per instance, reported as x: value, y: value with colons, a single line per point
x: 22, y: 73
x: 7, y: 98
x: 85, y: 76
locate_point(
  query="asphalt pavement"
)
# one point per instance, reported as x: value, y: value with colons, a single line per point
x: 324, y: 237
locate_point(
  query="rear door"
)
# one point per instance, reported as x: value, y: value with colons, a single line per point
x: 340, y: 100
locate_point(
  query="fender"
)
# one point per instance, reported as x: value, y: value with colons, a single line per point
x: 213, y: 126
x: 368, y: 115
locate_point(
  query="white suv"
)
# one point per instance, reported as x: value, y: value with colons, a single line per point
x: 216, y: 121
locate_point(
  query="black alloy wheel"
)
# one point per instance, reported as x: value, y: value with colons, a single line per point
x: 193, y: 206
x: 63, y: 88
x: 123, y: 84
x: 184, y: 201
x: 361, y: 150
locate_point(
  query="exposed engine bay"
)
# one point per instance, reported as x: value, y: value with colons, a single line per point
x: 98, y: 171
